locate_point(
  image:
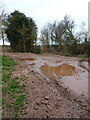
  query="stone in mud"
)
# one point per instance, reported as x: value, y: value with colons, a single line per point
x: 35, y: 107
x: 45, y: 102
x: 37, y: 103
x: 46, y: 98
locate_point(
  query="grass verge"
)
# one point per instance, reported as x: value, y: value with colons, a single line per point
x: 78, y: 56
x: 13, y: 94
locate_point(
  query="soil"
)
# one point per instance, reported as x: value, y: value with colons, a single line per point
x: 57, y: 86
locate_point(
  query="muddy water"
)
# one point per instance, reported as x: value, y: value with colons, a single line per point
x: 32, y: 59
x: 61, y: 70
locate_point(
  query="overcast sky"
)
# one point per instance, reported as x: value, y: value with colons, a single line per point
x: 44, y: 11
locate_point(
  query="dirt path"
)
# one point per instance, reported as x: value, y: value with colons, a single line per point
x: 48, y: 95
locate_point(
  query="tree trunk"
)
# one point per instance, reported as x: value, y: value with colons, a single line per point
x: 3, y: 37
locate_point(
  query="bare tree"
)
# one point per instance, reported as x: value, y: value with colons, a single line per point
x: 2, y: 22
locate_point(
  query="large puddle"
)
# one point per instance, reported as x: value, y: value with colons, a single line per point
x: 31, y: 59
x: 61, y: 70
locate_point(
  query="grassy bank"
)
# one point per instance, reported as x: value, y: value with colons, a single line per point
x: 13, y: 97
x: 80, y: 56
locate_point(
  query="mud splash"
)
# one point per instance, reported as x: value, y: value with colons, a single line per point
x: 31, y: 59
x: 62, y: 70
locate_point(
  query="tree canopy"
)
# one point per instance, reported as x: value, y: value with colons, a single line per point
x: 21, y: 32
x: 60, y: 38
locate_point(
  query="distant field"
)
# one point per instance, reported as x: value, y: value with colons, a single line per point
x: 6, y: 48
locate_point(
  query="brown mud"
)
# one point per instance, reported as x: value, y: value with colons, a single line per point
x: 52, y: 87
x: 32, y: 59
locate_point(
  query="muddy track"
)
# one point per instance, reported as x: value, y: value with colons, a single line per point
x: 47, y: 97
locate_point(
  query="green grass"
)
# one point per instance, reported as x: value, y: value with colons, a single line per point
x: 13, y: 91
x: 81, y: 56
x: 7, y: 63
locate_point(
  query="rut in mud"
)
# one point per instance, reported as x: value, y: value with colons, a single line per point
x: 31, y: 59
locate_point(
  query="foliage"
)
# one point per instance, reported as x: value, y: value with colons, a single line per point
x: 21, y: 32
x: 60, y: 38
